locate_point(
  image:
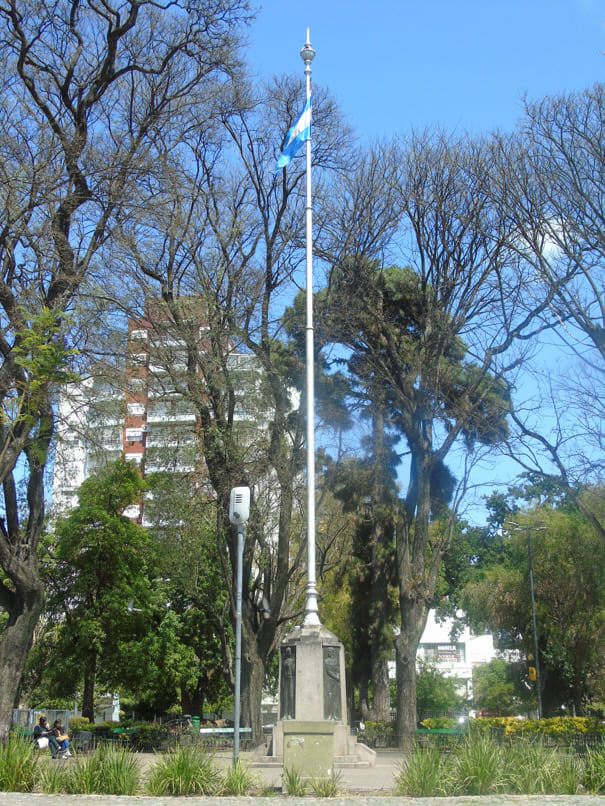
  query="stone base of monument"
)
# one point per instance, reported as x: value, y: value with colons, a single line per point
x: 309, y: 748
x: 312, y: 730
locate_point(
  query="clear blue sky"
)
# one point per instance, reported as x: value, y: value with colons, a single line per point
x: 464, y: 64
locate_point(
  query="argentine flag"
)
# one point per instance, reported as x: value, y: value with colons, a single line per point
x: 298, y: 134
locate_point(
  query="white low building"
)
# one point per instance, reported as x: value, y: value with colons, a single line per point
x: 454, y: 658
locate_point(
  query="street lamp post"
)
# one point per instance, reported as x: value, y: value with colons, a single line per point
x: 517, y: 527
x: 239, y: 511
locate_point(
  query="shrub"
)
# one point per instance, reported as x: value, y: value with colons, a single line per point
x: 109, y: 770
x: 567, y: 776
x: 184, y: 771
x: 328, y: 787
x: 382, y: 733
x: 439, y: 723
x: 79, y: 723
x: 420, y: 774
x: 51, y: 778
x: 594, y: 770
x: 477, y: 767
x: 237, y: 780
x: 18, y: 762
x: 531, y: 768
x: 293, y: 784
x: 563, y: 727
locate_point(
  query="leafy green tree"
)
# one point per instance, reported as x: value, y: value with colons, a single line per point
x: 439, y: 335
x: 365, y: 488
x: 187, y: 636
x: 497, y: 688
x: 569, y: 581
x: 99, y: 565
x: 394, y: 311
x: 436, y: 694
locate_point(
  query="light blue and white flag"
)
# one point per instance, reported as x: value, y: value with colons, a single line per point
x: 298, y: 134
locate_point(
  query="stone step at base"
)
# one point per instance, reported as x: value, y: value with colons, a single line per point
x: 345, y: 762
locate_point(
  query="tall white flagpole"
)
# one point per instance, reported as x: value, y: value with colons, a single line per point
x: 311, y: 611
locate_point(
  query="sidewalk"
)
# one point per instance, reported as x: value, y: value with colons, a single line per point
x: 15, y: 799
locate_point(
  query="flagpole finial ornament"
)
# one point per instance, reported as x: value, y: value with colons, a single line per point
x: 307, y: 54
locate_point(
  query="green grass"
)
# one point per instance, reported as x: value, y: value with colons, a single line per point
x: 184, y: 771
x: 420, y: 774
x: 18, y: 763
x: 51, y: 777
x: 293, y: 784
x: 531, y: 768
x: 476, y: 767
x: 327, y: 787
x: 110, y: 770
x: 237, y: 780
x: 594, y: 770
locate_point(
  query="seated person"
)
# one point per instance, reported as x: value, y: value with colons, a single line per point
x: 62, y: 738
x: 43, y: 731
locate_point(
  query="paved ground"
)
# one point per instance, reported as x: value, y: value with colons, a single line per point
x: 9, y: 799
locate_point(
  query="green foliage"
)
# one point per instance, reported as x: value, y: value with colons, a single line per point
x: 477, y: 767
x: 110, y: 770
x: 18, y: 765
x: 79, y: 723
x: 181, y: 654
x: 568, y: 776
x: 481, y: 766
x: 434, y: 691
x: 237, y: 780
x: 439, y: 723
x: 557, y: 727
x: 184, y: 771
x: 293, y: 783
x: 100, y: 561
x: 569, y: 579
x: 41, y: 355
x: 594, y: 770
x: 531, y: 768
x: 51, y: 777
x: 327, y: 787
x: 496, y: 687
x: 379, y: 733
x: 373, y: 310
x: 420, y: 774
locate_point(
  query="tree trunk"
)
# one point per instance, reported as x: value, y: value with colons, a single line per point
x: 379, y: 645
x: 413, y: 620
x: 192, y: 703
x: 364, y: 708
x: 88, y: 697
x: 253, y: 678
x: 382, y: 534
x: 24, y: 611
x: 381, y: 693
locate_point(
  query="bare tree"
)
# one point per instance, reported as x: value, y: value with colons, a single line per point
x: 223, y: 244
x: 553, y: 192
x: 88, y: 91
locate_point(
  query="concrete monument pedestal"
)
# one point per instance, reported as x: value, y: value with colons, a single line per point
x: 312, y: 702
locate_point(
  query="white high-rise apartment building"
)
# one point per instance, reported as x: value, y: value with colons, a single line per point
x: 148, y: 418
